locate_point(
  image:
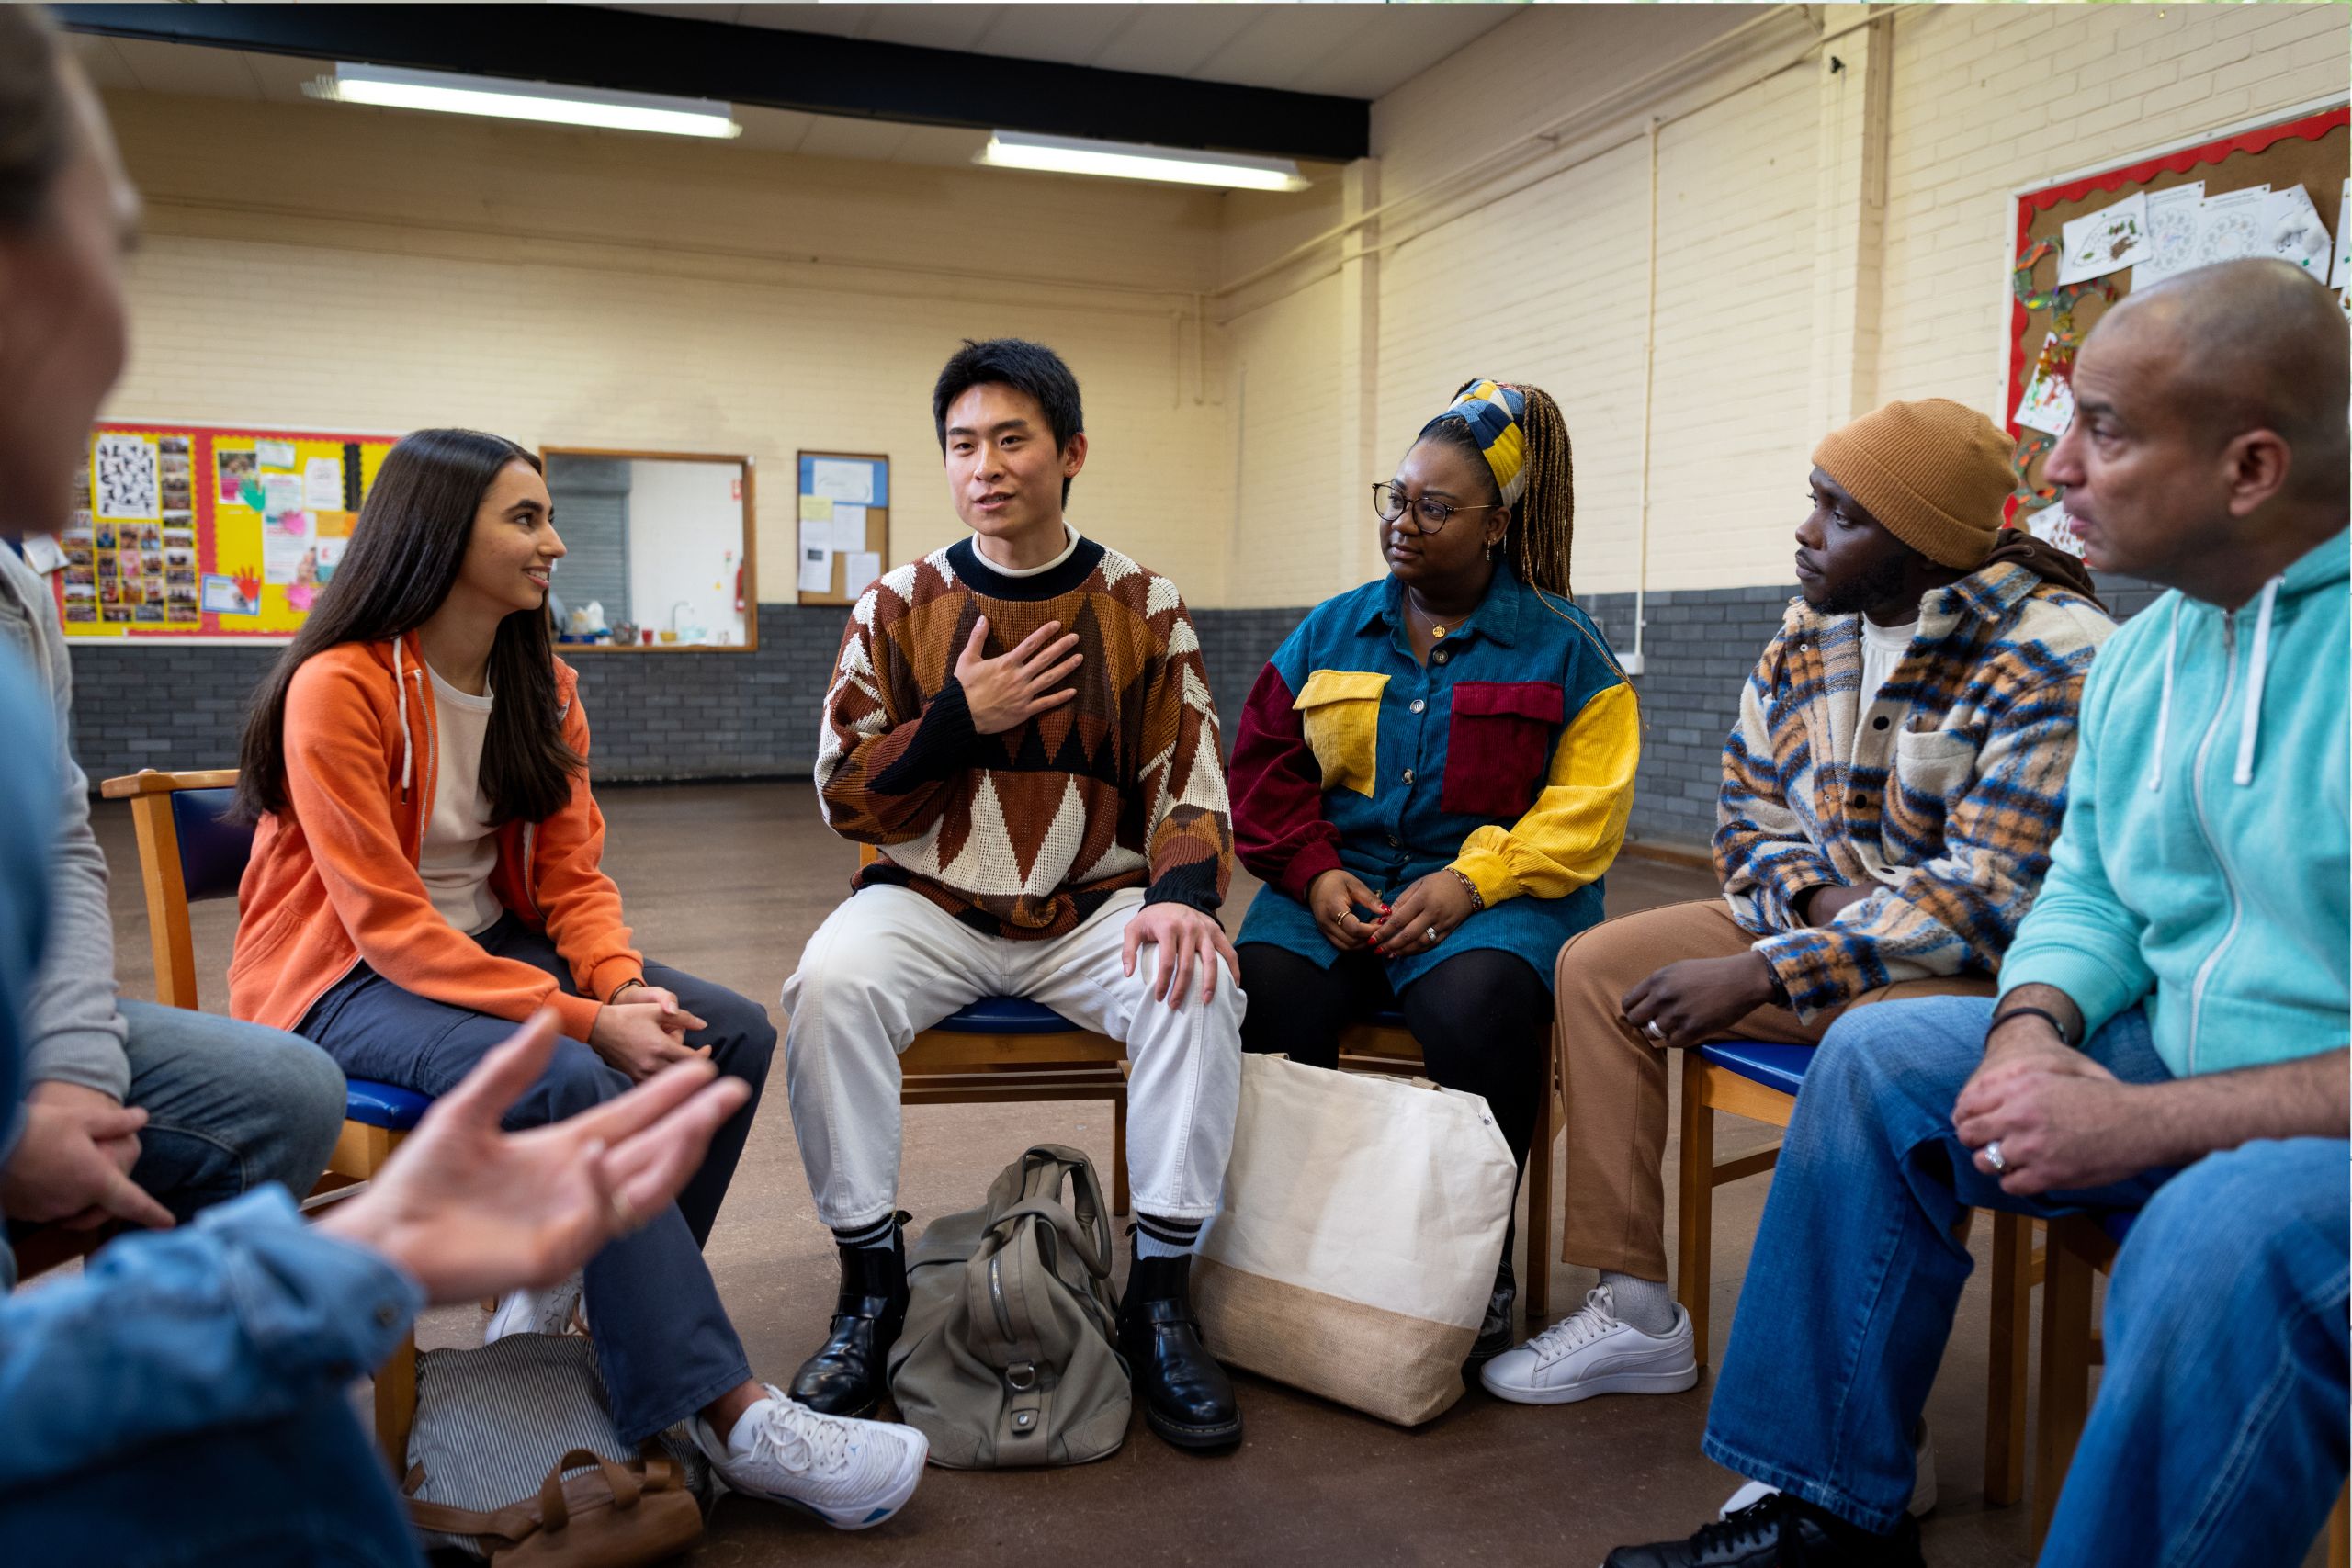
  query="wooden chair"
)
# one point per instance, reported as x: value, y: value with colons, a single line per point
x: 1383, y: 1044
x: 188, y: 853
x: 2081, y: 1247
x: 1759, y: 1081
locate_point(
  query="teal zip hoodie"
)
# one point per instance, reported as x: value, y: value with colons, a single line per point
x: 2205, y: 863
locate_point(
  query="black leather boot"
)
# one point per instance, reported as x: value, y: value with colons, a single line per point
x: 847, y: 1374
x: 1494, y: 1330
x: 1186, y: 1397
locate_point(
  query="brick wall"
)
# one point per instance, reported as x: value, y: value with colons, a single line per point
x: 683, y: 716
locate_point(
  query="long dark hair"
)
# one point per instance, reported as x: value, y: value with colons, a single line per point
x: 404, y: 558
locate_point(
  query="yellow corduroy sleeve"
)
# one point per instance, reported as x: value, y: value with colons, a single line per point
x: 1572, y: 832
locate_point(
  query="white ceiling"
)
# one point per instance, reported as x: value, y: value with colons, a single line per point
x: 1353, y: 49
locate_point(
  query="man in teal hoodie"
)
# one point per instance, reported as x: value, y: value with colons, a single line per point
x: 2169, y: 1044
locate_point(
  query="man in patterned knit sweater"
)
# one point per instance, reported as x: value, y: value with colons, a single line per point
x: 1021, y: 722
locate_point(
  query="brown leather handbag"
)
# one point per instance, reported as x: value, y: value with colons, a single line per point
x: 613, y: 1516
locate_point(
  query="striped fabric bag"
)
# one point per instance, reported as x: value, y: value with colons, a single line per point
x: 503, y: 1461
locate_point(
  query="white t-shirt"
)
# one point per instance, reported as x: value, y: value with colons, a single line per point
x: 460, y: 846
x: 1883, y: 649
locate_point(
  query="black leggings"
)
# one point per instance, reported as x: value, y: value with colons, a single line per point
x: 1482, y: 1021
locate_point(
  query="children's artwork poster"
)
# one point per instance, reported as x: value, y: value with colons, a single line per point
x: 2268, y: 188
x: 189, y: 531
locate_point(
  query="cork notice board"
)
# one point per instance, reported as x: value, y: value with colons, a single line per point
x: 2312, y: 149
x: 843, y: 542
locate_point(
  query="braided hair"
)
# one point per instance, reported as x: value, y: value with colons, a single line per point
x: 1543, y: 518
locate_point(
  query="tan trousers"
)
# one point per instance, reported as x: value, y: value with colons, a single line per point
x: 1615, y: 1079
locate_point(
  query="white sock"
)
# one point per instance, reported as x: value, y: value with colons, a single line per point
x: 1158, y: 1238
x: 1647, y: 1305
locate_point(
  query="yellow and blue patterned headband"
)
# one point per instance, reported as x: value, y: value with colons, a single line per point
x: 1492, y: 412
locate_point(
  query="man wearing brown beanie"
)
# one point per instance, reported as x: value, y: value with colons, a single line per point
x: 1889, y: 794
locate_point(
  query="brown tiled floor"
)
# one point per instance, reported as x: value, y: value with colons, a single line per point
x: 728, y: 880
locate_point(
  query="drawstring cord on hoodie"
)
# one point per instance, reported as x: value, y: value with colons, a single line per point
x: 2163, y: 704
x: 408, y: 744
x: 2249, y: 715
x: 2251, y: 725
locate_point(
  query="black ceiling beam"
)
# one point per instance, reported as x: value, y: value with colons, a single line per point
x: 814, y: 73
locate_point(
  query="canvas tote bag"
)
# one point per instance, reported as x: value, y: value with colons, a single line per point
x: 1355, y: 1247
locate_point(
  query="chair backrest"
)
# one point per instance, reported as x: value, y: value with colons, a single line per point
x: 187, y: 851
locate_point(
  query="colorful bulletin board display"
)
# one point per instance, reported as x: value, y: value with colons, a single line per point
x: 185, y: 531
x: 843, y: 542
x: 2278, y: 187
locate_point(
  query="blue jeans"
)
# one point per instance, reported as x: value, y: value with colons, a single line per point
x: 2219, y: 1423
x: 230, y: 1106
x: 307, y: 1490
x: 663, y: 1342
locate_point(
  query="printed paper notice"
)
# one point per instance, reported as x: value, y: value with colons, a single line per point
x: 2049, y: 402
x: 289, y: 556
x: 816, y: 509
x: 129, y: 483
x: 227, y: 596
x: 2106, y: 240
x: 2341, y: 272
x: 273, y: 454
x: 2230, y: 226
x: 2172, y: 232
x: 865, y: 566
x: 849, y: 527
x: 815, y: 569
x: 836, y: 479
x: 322, y: 484
x: 2292, y: 231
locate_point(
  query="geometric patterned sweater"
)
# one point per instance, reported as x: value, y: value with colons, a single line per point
x: 1028, y: 832
x: 1942, y: 796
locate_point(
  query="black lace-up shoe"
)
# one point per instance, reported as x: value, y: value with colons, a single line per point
x: 1780, y: 1532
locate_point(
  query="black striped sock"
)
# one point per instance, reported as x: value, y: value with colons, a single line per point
x: 1159, y: 1236
x: 878, y: 1233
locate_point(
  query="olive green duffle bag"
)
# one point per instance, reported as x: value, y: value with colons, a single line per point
x: 1009, y: 1357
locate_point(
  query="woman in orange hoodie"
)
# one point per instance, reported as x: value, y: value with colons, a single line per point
x: 424, y: 875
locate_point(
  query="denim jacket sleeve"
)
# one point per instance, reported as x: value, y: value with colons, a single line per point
x: 246, y: 1314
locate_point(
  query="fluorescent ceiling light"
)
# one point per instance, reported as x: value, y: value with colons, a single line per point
x: 1134, y: 161
x: 602, y: 108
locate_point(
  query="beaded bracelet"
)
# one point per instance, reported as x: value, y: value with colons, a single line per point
x: 1478, y: 899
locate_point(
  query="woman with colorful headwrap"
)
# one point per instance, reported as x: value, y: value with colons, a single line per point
x: 1433, y: 773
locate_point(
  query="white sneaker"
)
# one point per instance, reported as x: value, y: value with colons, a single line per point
x: 852, y: 1474
x: 1589, y: 1352
x: 1923, y: 1482
x: 534, y: 1312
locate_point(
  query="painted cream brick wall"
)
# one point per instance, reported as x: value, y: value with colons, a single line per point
x: 1546, y: 283
x: 1285, y: 433
x: 1989, y: 99
x: 383, y: 272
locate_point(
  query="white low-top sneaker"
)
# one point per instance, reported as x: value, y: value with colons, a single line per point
x: 1923, y: 1482
x: 534, y: 1312
x: 1589, y: 1352
x: 852, y: 1474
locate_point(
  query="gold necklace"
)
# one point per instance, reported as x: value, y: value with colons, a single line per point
x: 1437, y: 629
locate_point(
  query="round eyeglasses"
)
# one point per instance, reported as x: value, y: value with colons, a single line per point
x: 1390, y: 505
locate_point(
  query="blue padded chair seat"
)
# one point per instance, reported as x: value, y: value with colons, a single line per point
x: 1774, y: 1066
x: 1006, y: 1015
x: 383, y: 1105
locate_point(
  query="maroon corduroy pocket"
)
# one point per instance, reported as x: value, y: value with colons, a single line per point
x: 1498, y: 743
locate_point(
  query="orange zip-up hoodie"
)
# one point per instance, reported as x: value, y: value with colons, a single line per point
x: 332, y: 879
